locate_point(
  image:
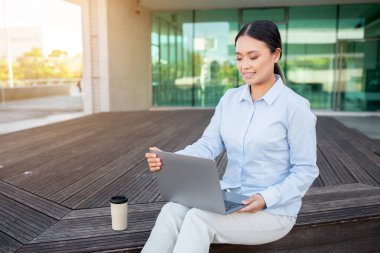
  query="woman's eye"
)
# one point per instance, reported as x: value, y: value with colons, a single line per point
x: 238, y: 59
x: 253, y: 58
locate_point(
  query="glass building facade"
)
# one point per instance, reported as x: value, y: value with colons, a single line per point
x: 331, y: 54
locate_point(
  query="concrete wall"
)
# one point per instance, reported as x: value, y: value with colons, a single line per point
x: 9, y: 94
x: 129, y: 57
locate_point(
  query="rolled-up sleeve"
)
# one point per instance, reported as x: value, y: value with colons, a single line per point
x: 302, y: 158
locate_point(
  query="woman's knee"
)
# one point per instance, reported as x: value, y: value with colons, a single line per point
x: 172, y: 210
x: 197, y: 215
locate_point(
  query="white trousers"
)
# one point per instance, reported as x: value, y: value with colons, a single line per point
x: 181, y: 229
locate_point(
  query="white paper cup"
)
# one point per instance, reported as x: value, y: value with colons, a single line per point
x: 119, y: 212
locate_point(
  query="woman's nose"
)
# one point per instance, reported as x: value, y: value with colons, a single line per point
x: 245, y: 64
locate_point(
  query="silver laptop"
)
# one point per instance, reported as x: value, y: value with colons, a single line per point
x: 194, y: 182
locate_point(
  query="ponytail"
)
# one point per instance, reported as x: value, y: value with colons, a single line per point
x: 278, y: 71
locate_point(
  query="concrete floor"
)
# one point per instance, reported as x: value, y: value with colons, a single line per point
x: 24, y: 114
x: 368, y: 125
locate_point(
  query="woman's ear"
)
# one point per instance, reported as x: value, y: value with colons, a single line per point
x: 277, y: 55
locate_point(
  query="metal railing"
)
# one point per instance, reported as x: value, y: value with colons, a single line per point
x: 39, y: 82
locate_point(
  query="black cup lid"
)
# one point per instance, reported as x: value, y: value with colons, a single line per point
x: 119, y: 199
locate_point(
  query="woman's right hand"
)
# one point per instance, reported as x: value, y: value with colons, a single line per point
x: 153, y: 160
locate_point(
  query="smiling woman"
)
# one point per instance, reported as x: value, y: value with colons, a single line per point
x: 257, y: 56
x: 268, y: 132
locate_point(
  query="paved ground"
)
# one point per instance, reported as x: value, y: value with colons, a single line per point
x: 24, y: 114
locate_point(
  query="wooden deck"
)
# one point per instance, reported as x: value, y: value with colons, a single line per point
x: 56, y: 182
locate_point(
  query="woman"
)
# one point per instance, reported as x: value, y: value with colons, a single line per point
x: 268, y: 132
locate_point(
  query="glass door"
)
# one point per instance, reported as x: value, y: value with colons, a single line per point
x: 357, y: 86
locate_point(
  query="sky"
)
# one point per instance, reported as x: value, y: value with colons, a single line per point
x: 60, y: 20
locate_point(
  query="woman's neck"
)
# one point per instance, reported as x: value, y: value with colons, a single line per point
x: 259, y: 90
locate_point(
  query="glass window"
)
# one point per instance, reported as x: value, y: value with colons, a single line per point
x: 155, y: 51
x: 358, y: 58
x: 214, y: 61
x: 311, y: 50
x: 330, y: 54
x: 276, y: 15
x: 172, y: 59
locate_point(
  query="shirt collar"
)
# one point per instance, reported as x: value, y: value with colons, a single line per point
x: 271, y: 94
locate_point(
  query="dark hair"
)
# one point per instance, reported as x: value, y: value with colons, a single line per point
x: 267, y: 32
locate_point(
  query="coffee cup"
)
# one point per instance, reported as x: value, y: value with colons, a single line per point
x: 119, y: 212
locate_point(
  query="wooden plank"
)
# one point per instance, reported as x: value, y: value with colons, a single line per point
x: 346, y: 214
x: 106, y: 158
x: 326, y: 171
x: 22, y: 222
x: 8, y: 244
x: 369, y: 162
x: 65, y: 155
x: 138, y: 153
x: 78, y: 227
x: 92, y: 151
x: 122, y: 241
x: 19, y: 139
x: 337, y: 195
x: 354, y: 134
x: 343, y: 174
x: 341, y: 204
x: 99, y: 193
x: 317, y: 182
x: 340, y: 188
x: 351, y: 165
x: 344, y: 133
x: 357, y: 236
x: 106, y: 211
x: 35, y: 220
x: 95, y: 227
x: 34, y: 202
x: 49, y: 138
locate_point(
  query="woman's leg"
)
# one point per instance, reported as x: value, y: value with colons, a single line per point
x: 165, y: 232
x: 201, y: 228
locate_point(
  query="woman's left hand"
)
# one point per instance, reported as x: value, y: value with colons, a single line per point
x: 253, y: 204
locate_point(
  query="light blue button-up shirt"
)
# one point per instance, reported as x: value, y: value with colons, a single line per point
x: 270, y: 144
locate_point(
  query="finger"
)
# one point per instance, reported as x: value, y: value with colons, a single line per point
x: 251, y: 208
x: 150, y: 155
x: 153, y: 160
x: 154, y: 149
x: 248, y: 210
x: 249, y: 200
x: 154, y: 168
x: 155, y: 165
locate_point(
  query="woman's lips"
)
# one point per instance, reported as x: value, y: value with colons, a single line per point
x: 249, y: 74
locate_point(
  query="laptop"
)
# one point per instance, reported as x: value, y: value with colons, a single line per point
x: 194, y: 182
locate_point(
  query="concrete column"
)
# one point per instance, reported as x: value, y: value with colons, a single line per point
x: 117, y: 58
x: 129, y: 57
x: 96, y: 96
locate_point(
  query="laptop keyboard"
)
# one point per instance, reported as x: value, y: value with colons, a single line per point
x: 229, y: 205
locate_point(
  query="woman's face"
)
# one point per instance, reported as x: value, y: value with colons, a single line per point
x: 254, y: 60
